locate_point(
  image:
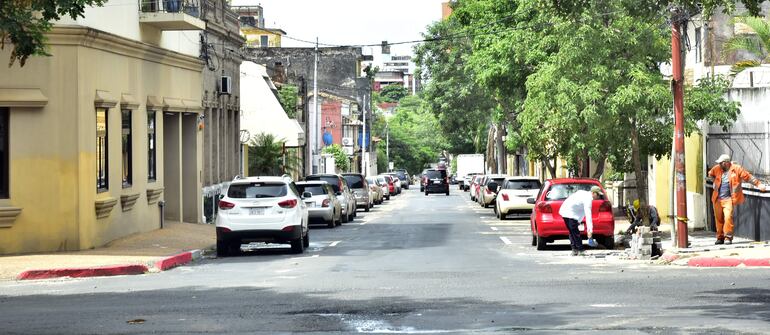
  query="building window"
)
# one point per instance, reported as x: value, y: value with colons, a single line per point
x: 698, y: 46
x: 151, y: 170
x: 101, y: 150
x: 263, y: 41
x: 125, y: 122
x: 4, y: 163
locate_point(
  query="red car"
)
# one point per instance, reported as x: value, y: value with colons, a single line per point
x: 546, y: 223
x: 391, y: 184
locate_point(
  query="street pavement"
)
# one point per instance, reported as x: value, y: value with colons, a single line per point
x: 417, y: 264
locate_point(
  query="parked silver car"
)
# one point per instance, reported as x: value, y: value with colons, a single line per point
x: 376, y: 190
x: 322, y: 205
x: 341, y: 190
x: 360, y: 188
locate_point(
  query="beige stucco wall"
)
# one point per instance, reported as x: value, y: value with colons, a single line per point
x: 52, y: 160
x: 696, y: 210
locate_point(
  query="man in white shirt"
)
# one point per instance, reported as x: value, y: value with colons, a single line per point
x: 576, y: 207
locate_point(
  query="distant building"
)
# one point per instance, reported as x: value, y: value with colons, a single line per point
x: 446, y: 9
x: 252, y: 22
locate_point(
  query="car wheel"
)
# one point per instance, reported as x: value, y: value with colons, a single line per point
x: 298, y: 245
x: 306, y: 241
x: 541, y: 242
x: 609, y: 242
x: 534, y: 239
x: 223, y: 249
x: 331, y: 223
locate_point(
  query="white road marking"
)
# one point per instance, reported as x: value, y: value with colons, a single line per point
x: 506, y: 240
x: 493, y: 228
x: 334, y: 244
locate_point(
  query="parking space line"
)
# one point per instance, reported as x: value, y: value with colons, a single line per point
x: 334, y: 244
x: 506, y: 240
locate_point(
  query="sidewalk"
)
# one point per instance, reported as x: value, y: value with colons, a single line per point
x: 158, y: 250
x: 703, y: 253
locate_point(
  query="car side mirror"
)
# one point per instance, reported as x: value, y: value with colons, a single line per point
x: 492, y: 187
x: 531, y: 201
x: 221, y: 196
x: 306, y: 195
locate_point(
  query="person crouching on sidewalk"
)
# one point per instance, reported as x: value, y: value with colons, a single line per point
x: 728, y: 193
x: 577, y: 206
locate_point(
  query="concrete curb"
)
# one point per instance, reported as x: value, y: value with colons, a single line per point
x: 102, y: 271
x: 727, y: 262
x: 114, y: 270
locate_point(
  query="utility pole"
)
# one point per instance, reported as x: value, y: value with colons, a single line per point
x: 316, y: 117
x: 387, y: 145
x: 679, y: 157
x: 363, y: 138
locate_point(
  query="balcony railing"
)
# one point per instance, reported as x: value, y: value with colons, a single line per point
x: 189, y: 7
x: 172, y: 14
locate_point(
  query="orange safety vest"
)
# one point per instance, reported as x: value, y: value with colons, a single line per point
x: 736, y: 175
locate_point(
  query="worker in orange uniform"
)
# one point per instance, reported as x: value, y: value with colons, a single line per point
x: 728, y: 193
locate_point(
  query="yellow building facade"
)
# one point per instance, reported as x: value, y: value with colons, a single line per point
x: 97, y: 136
x: 262, y: 37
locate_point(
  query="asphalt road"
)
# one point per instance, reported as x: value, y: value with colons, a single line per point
x: 416, y: 265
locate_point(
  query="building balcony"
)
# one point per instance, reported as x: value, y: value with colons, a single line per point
x: 171, y: 14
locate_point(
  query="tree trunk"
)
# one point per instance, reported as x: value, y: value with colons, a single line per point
x: 586, y: 166
x: 599, y: 168
x: 491, y: 161
x: 641, y: 181
x: 551, y: 168
x: 501, y: 156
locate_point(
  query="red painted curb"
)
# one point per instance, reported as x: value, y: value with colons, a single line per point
x: 113, y: 270
x: 727, y: 262
x: 670, y: 256
x: 174, y: 261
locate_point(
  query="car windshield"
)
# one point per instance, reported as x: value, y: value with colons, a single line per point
x: 434, y: 174
x: 522, y: 185
x: 332, y: 180
x: 256, y: 190
x: 382, y: 180
x: 401, y: 175
x: 314, y: 189
x: 562, y: 191
x: 354, y: 181
x: 499, y: 181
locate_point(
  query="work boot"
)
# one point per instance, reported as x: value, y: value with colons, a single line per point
x: 729, y: 240
x: 574, y: 252
x: 581, y: 253
x: 719, y: 241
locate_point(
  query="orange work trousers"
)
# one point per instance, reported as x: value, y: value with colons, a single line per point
x: 723, y: 215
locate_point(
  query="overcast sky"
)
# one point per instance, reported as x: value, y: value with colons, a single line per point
x: 349, y: 22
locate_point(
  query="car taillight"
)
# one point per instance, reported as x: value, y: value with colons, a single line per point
x: 288, y: 229
x: 605, y: 207
x: 288, y: 203
x: 545, y: 208
x: 505, y: 197
x: 225, y: 205
x: 325, y: 203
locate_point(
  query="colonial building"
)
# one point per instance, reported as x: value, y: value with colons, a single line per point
x: 95, y: 136
x: 221, y: 51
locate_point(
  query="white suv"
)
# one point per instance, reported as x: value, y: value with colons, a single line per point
x: 261, y: 209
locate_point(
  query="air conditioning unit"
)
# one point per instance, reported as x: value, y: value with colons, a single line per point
x: 348, y: 150
x: 347, y: 141
x: 226, y: 85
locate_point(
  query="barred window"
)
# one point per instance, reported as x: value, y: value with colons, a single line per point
x: 151, y: 146
x: 125, y: 121
x: 101, y: 150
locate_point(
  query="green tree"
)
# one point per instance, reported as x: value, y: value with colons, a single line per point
x: 393, y: 93
x: 341, y: 160
x: 463, y: 107
x: 288, y: 96
x: 24, y: 24
x: 268, y: 157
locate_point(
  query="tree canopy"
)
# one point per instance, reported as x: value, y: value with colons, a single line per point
x: 24, y: 24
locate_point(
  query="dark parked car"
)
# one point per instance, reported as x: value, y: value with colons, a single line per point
x: 403, y: 175
x: 436, y: 181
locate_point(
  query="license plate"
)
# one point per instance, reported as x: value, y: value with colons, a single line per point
x: 581, y: 227
x: 256, y: 211
x: 310, y: 204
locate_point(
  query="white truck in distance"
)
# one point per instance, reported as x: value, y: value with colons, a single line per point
x: 468, y: 164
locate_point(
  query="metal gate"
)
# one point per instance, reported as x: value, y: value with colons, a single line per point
x: 748, y: 144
